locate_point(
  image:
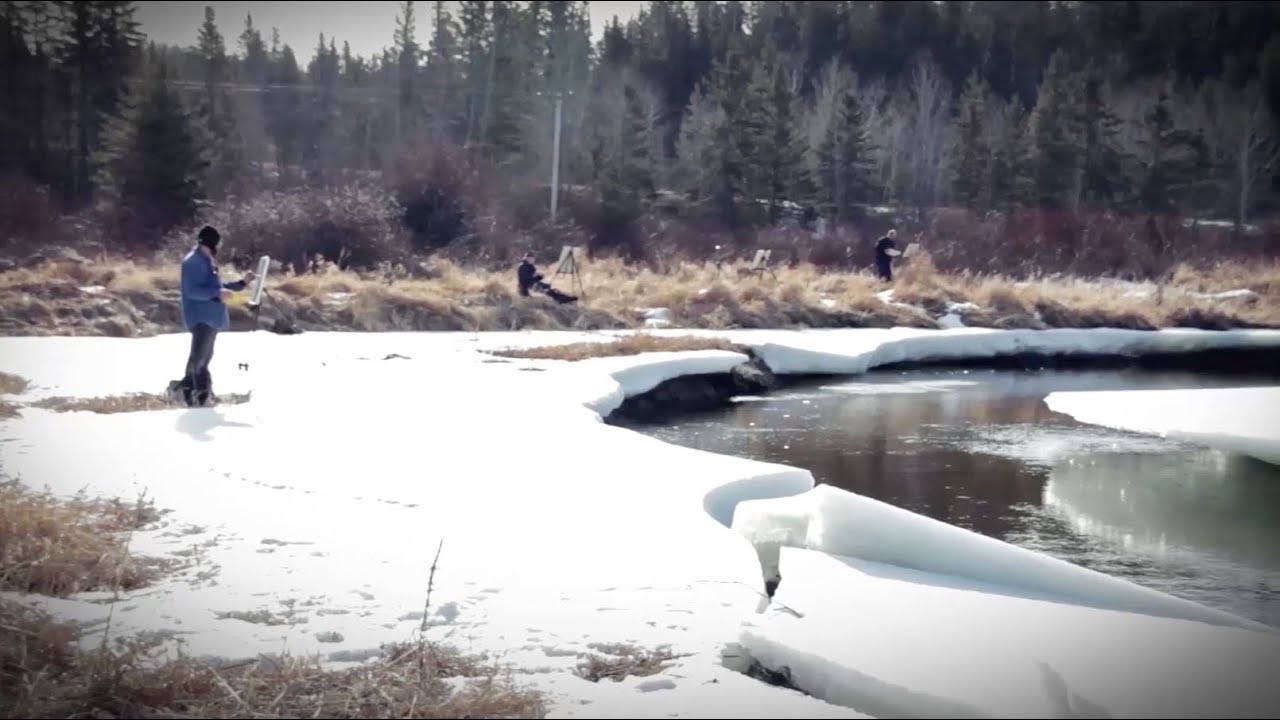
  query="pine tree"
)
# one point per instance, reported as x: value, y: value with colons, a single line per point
x: 217, y: 128
x: 477, y: 42
x: 971, y: 167
x: 1169, y: 158
x: 628, y: 183
x: 252, y: 124
x: 151, y: 161
x: 1012, y: 182
x: 285, y: 117
x: 99, y: 50
x: 707, y: 163
x: 321, y: 150
x: 1102, y: 182
x: 510, y: 100
x: 407, y: 55
x: 730, y: 141
x: 843, y: 156
x: 444, y: 65
x: 788, y: 179
x: 752, y: 123
x: 1055, y: 138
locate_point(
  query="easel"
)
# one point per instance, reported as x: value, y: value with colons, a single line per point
x: 759, y: 265
x: 569, y: 266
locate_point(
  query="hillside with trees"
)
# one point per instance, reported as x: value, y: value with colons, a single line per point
x: 1019, y: 137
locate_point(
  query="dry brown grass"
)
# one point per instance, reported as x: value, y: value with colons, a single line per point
x: 10, y: 385
x: 58, y: 547
x: 43, y: 675
x: 624, y: 345
x: 617, y: 661
x: 1076, y: 303
x: 118, y: 298
x: 134, y: 402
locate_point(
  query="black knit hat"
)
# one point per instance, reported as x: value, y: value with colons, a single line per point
x: 209, y: 237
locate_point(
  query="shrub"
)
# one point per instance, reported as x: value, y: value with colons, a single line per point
x: 29, y: 219
x: 436, y: 190
x: 355, y: 226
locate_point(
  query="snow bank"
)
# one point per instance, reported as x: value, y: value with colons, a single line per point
x: 316, y: 508
x: 313, y: 511
x: 843, y: 352
x: 1242, y: 420
x: 901, y: 643
x: 638, y: 374
x: 842, y: 523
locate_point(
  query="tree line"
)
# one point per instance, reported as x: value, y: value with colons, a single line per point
x: 734, y: 114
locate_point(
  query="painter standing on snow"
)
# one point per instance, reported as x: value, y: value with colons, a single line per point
x: 204, y: 313
x: 886, y: 251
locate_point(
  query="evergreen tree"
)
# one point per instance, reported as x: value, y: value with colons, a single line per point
x: 753, y: 121
x: 1169, y: 158
x: 444, y: 66
x: 627, y: 183
x: 217, y: 131
x: 788, y: 172
x: 151, y: 160
x: 1102, y: 182
x: 1055, y: 138
x: 707, y: 164
x: 731, y: 136
x: 972, y: 164
x: 843, y: 156
x: 98, y: 50
x: 322, y: 146
x: 1012, y: 182
x: 510, y: 102
x: 284, y: 113
x: 477, y: 46
x: 407, y: 54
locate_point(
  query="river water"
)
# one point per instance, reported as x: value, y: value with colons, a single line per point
x: 979, y: 449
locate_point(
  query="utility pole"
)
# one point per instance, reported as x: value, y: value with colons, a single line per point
x: 555, y: 160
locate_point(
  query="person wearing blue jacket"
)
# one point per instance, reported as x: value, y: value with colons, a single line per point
x: 203, y: 313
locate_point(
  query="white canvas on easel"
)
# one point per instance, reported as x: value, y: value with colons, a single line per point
x: 255, y: 296
x: 567, y: 262
x: 568, y: 265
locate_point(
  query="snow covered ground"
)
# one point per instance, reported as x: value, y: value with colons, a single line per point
x: 308, y: 519
x: 1242, y: 420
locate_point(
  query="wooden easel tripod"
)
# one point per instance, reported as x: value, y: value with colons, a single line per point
x: 568, y: 265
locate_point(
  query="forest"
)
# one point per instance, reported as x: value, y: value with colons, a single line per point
x: 1021, y: 137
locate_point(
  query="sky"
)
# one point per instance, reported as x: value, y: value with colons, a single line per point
x: 367, y: 25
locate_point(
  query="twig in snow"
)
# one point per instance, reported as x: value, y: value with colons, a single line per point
x: 423, y: 645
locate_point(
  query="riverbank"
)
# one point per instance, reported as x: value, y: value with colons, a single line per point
x: 562, y: 536
x: 71, y: 295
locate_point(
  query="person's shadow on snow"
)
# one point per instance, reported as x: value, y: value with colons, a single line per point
x: 197, y: 422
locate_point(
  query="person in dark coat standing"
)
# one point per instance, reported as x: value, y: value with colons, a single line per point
x: 886, y: 251
x: 204, y: 313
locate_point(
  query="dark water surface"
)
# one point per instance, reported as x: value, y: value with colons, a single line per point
x: 979, y: 449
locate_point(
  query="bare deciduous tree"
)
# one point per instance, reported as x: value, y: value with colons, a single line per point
x: 1241, y: 139
x: 929, y: 107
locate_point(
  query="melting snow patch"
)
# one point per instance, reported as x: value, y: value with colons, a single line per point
x: 1242, y: 420
x: 587, y: 530
x: 1240, y: 294
x: 1003, y: 656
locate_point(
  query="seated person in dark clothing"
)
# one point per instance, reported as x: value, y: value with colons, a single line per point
x: 529, y: 279
x: 886, y: 250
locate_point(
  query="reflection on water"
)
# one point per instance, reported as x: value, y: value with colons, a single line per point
x: 979, y: 449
